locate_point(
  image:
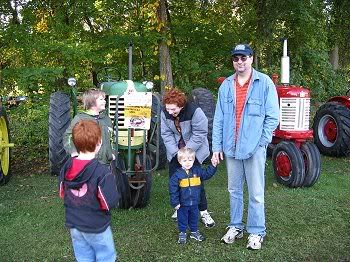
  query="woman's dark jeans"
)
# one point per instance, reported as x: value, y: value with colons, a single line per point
x: 173, y: 165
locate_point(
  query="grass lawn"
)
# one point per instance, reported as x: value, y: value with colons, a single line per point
x: 304, y: 224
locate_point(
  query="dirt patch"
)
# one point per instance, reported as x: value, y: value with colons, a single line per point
x: 23, y: 164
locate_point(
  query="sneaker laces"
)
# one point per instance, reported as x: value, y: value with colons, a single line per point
x: 254, y: 238
x: 231, y: 230
x: 206, y: 216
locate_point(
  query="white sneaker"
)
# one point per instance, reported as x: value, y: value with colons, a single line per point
x: 231, y: 235
x: 254, y: 241
x: 174, y: 216
x: 207, y: 219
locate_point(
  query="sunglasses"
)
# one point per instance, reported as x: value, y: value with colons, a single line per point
x: 242, y: 58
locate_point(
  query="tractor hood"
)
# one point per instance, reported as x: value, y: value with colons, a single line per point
x: 120, y: 87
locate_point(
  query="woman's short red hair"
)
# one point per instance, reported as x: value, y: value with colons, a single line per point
x: 175, y: 97
x: 86, y: 136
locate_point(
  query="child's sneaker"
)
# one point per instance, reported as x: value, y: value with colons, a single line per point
x: 174, y: 216
x: 197, y: 236
x: 231, y: 235
x: 254, y: 241
x: 182, y: 238
x: 207, y: 219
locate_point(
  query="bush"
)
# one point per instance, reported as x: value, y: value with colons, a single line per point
x: 29, y: 128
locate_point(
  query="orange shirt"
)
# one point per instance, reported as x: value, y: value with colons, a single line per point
x: 241, y: 94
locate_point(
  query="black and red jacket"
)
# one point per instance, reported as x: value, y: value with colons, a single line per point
x: 89, y: 193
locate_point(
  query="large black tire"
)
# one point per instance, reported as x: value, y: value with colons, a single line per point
x: 204, y: 99
x: 59, y: 120
x: 5, y: 153
x: 288, y: 164
x: 312, y: 162
x: 155, y: 132
x: 332, y: 129
x: 122, y: 183
x: 140, y: 197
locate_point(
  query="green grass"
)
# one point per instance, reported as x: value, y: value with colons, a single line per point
x: 305, y: 224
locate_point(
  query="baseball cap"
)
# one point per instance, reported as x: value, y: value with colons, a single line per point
x: 242, y: 49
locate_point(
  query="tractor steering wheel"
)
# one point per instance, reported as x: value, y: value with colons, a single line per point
x: 108, y: 74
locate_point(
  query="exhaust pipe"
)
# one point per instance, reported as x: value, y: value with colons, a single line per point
x: 285, y: 65
x: 130, y: 61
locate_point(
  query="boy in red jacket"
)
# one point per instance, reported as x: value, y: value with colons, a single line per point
x: 89, y: 192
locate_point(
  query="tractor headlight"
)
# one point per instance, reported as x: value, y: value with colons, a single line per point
x: 149, y: 85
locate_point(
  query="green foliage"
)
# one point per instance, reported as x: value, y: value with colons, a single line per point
x: 43, y: 43
x: 29, y: 127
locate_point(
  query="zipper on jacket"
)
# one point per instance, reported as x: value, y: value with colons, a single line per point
x: 189, y: 186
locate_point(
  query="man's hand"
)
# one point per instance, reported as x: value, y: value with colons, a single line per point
x: 217, y: 157
x: 214, y: 162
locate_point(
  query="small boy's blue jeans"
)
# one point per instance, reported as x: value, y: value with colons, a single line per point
x: 93, y: 247
x: 187, y: 216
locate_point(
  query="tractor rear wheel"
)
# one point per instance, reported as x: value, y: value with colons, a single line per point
x: 140, y: 196
x: 5, y: 152
x: 59, y: 120
x: 288, y: 164
x: 155, y: 128
x: 204, y: 99
x: 312, y: 162
x: 332, y: 129
x: 122, y: 182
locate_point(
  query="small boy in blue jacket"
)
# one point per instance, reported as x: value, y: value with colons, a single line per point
x: 184, y: 188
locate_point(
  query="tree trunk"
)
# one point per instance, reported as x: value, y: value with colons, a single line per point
x: 334, y: 57
x: 166, y: 75
x: 14, y: 11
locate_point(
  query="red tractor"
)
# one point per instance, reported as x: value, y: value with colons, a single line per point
x: 296, y: 160
x: 332, y: 126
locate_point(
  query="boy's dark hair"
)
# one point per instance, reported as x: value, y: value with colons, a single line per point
x: 86, y: 136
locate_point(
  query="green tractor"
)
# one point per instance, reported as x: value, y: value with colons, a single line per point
x: 5, y: 147
x: 135, y: 112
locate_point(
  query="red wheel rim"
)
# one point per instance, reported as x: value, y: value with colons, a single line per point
x: 330, y: 130
x: 283, y: 165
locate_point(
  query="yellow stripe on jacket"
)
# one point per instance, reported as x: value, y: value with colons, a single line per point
x: 192, y: 181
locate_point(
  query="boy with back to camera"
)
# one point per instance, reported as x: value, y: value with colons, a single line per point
x: 89, y: 192
x: 185, y: 188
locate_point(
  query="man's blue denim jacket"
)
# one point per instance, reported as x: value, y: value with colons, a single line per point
x: 259, y: 117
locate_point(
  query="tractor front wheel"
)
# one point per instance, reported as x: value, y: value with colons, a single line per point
x: 5, y: 151
x: 332, y: 129
x: 312, y: 162
x: 288, y: 164
x: 141, y: 191
x: 59, y: 120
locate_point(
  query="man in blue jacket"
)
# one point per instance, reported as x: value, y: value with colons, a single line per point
x: 246, y: 114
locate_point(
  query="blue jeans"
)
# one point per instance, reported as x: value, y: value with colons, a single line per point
x: 187, y: 216
x: 251, y: 170
x: 93, y: 247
